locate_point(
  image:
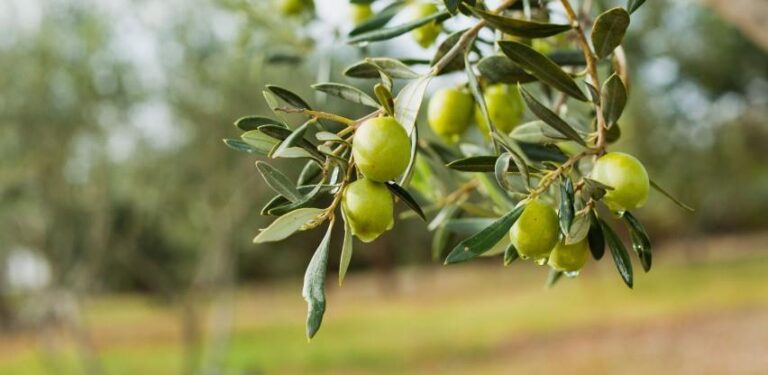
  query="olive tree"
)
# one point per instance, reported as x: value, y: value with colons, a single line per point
x: 545, y: 84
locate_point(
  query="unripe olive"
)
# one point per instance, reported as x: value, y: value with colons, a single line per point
x: 569, y: 258
x: 368, y: 208
x: 505, y: 107
x: 450, y: 113
x: 381, y: 148
x: 628, y: 178
x: 427, y: 34
x: 360, y: 12
x: 536, y: 232
x: 294, y: 7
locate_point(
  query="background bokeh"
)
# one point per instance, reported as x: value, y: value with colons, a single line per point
x: 126, y: 224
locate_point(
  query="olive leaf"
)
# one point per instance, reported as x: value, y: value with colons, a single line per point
x: 553, y: 277
x: 442, y: 234
x: 395, y: 31
x: 536, y: 132
x: 632, y: 5
x: 304, y: 201
x: 614, y: 99
x: 518, y: 27
x: 311, y: 170
x: 457, y: 63
x: 288, y: 96
x: 485, y: 239
x: 406, y: 178
x: 253, y: 142
x: 292, y: 140
x: 248, y: 123
x: 409, y: 101
x: 467, y: 226
x: 671, y: 197
x: 346, y: 249
x: 566, y: 212
x: 278, y: 181
x: 618, y: 252
x: 579, y: 229
x: 378, y: 20
x: 282, y: 133
x: 373, y: 67
x: 549, y: 117
x: 609, y: 30
x: 500, y: 170
x: 640, y: 241
x: 542, y: 68
x: 443, y: 215
x: 510, y: 254
x: 384, y: 95
x: 477, y: 164
x: 406, y: 197
x: 452, y: 5
x: 350, y: 93
x: 288, y: 224
x: 500, y: 69
x: 314, y: 284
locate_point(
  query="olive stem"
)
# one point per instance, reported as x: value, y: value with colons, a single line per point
x: 591, y: 59
x: 552, y: 175
x: 318, y: 115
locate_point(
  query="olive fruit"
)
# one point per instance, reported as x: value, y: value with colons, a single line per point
x: 360, y: 12
x: 381, y: 149
x: 427, y: 34
x: 368, y: 209
x: 294, y: 7
x: 505, y: 107
x: 450, y: 113
x: 628, y: 178
x: 569, y: 258
x: 536, y: 232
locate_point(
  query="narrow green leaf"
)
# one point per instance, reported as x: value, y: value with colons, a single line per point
x: 609, y: 30
x: 477, y: 164
x: 510, y: 254
x: 618, y: 252
x: 288, y: 224
x: 549, y: 117
x: 467, y: 226
x: 518, y: 27
x: 439, y: 241
x: 310, y: 172
x: 253, y: 122
x: 542, y: 153
x: 292, y: 140
x: 452, y: 5
x: 542, y: 67
x: 485, y: 239
x: 242, y: 146
x: 474, y: 87
x: 579, y: 229
x: 595, y: 237
x: 500, y: 170
x: 640, y: 241
x: 384, y: 95
x: 457, y: 63
x: 346, y: 92
x: 304, y: 201
x: 406, y: 197
x: 314, y: 284
x: 346, y: 250
x: 500, y: 69
x: 632, y: 5
x: 374, y: 67
x: 278, y: 181
x: 378, y: 20
x: 281, y: 133
x: 288, y: 96
x: 395, y: 31
x: 553, y: 277
x: 408, y: 174
x: 566, y: 212
x: 409, y: 101
x: 443, y: 215
x: 672, y: 198
x: 614, y: 99
x: 536, y: 132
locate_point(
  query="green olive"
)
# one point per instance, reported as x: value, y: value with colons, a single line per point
x: 628, y: 178
x: 368, y: 208
x: 427, y: 34
x: 505, y: 107
x: 382, y: 149
x: 450, y: 113
x: 536, y: 232
x: 294, y: 7
x: 360, y: 12
x: 569, y: 258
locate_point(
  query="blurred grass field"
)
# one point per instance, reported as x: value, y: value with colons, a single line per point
x: 708, y: 314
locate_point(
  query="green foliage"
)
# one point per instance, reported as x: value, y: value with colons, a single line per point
x: 534, y: 162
